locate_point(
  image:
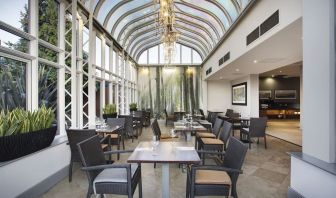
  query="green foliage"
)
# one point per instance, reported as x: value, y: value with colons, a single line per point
x: 110, y: 109
x: 133, y: 105
x: 19, y: 121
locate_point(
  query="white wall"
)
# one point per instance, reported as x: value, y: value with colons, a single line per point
x: 21, y: 175
x: 289, y: 11
x: 218, y: 95
x: 318, y: 121
x: 252, y: 107
x: 310, y: 181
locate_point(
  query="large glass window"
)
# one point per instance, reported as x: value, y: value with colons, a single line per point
x: 143, y: 58
x: 186, y: 55
x: 47, y: 85
x: 153, y: 55
x: 15, y: 13
x: 196, y: 58
x: 12, y: 83
x: 98, y: 51
x: 14, y: 42
x: 48, y: 21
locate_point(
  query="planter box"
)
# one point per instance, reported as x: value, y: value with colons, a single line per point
x: 113, y: 115
x: 15, y: 146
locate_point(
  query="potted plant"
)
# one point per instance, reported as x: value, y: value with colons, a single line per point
x: 23, y: 132
x: 133, y: 106
x: 110, y: 111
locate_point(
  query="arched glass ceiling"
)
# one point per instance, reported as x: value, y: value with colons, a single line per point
x: 201, y: 23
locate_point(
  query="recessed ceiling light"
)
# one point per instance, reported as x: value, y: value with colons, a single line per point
x: 280, y: 71
x: 237, y: 70
x: 255, y: 61
x: 272, y: 76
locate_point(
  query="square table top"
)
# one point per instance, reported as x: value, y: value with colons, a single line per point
x: 178, y: 126
x: 112, y: 129
x: 166, y: 152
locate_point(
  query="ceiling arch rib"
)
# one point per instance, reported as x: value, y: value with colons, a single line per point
x: 150, y: 45
x: 137, y: 20
x: 110, y: 13
x: 97, y: 8
x: 200, y: 19
x: 147, y: 41
x: 195, y: 34
x: 219, y: 22
x: 186, y: 41
x: 221, y: 7
x: 134, y: 21
x: 147, y: 5
x: 200, y: 44
x: 138, y: 34
x: 236, y: 5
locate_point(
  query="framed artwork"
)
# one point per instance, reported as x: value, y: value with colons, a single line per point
x: 239, y: 94
x: 265, y: 94
x: 285, y: 94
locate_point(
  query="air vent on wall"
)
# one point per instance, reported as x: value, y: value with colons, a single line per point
x: 252, y: 36
x: 269, y: 23
x: 226, y: 57
x: 208, y: 71
x: 221, y: 61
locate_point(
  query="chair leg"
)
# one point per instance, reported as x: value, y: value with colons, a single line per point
x: 265, y: 142
x: 258, y: 141
x: 118, y: 149
x: 154, y: 165
x: 140, y: 188
x: 123, y: 142
x: 234, y: 190
x: 249, y: 141
x: 188, y: 184
x: 70, y: 170
x: 89, y: 192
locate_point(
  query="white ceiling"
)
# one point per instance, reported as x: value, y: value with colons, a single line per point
x: 292, y: 70
x: 282, y: 49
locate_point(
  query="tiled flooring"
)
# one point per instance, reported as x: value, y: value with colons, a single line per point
x: 288, y: 130
x: 266, y: 173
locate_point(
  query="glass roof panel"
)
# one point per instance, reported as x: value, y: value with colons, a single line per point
x: 124, y: 9
x: 213, y: 9
x: 105, y: 8
x: 201, y: 23
x: 131, y: 17
x: 205, y: 16
x: 228, y: 5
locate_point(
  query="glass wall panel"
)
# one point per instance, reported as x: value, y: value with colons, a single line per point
x: 47, y: 86
x: 13, y: 42
x: 107, y: 57
x: 98, y: 51
x: 153, y: 55
x: 47, y: 54
x: 143, y: 58
x: 15, y: 13
x: 48, y: 21
x: 196, y: 58
x: 12, y: 83
x: 186, y: 55
x: 114, y: 62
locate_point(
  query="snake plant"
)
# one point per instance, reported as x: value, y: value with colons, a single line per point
x: 19, y: 121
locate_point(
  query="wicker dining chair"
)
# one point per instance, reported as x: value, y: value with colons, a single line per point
x: 119, y: 137
x: 216, y: 144
x: 77, y: 135
x: 105, y: 178
x: 256, y: 129
x: 218, y: 180
x: 213, y: 134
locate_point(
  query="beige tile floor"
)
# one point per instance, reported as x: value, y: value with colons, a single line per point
x: 266, y: 173
x: 288, y: 130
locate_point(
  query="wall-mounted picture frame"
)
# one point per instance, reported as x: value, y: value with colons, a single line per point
x: 285, y: 94
x: 239, y: 94
x: 265, y: 94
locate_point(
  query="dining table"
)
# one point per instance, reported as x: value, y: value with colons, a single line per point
x: 188, y: 128
x: 165, y: 153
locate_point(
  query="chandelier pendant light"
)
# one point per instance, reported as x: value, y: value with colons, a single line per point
x: 166, y: 22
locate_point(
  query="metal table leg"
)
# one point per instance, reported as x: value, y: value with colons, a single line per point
x: 165, y: 180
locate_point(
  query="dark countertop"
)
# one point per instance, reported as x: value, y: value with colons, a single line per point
x: 328, y: 167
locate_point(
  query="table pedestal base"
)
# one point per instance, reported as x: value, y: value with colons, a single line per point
x: 165, y: 180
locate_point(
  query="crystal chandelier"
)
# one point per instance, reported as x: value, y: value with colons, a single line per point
x: 166, y: 22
